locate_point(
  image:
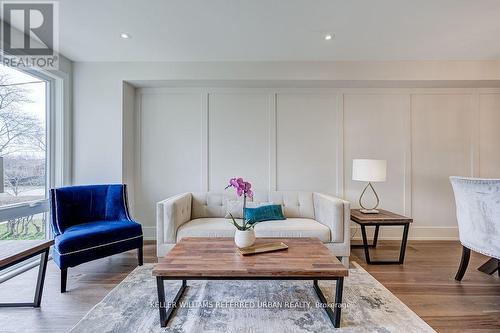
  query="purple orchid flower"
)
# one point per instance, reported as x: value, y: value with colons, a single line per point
x: 242, y: 188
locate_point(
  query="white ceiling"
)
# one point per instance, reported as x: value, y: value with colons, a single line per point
x: 279, y: 30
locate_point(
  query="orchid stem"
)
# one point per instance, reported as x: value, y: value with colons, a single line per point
x: 244, y: 206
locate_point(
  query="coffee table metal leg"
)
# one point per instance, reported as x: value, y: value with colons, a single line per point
x: 166, y: 311
x: 44, y: 257
x: 41, y: 279
x: 339, y: 289
x: 161, y: 301
x: 335, y: 314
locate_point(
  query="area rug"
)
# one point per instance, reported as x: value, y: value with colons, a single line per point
x: 251, y: 306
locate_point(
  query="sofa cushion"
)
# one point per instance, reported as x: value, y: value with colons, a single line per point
x: 294, y: 203
x: 207, y: 227
x: 213, y: 204
x: 208, y: 205
x: 221, y: 227
x: 235, y: 207
x: 293, y: 227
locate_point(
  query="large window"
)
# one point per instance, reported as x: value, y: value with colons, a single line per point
x: 23, y: 155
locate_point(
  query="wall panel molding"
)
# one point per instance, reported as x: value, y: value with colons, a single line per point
x: 205, y: 137
x: 168, y: 155
x: 340, y: 147
x: 397, y: 106
x: 272, y: 141
x: 441, y: 147
x: 307, y: 141
x: 239, y: 138
x: 408, y: 160
x: 375, y: 128
x: 488, y: 136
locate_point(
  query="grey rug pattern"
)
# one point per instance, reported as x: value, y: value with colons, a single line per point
x: 250, y: 306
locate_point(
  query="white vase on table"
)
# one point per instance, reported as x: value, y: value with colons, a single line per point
x: 244, y: 238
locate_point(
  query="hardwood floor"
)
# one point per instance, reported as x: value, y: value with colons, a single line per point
x: 425, y: 284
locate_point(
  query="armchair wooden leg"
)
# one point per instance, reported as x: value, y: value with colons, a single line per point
x: 140, y: 256
x: 490, y: 267
x: 64, y: 278
x: 463, y: 264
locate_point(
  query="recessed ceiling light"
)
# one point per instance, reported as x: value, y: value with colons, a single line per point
x: 125, y: 35
x: 328, y: 37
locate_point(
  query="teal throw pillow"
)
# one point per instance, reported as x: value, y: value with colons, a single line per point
x: 264, y: 213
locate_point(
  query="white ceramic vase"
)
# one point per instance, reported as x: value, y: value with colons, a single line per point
x: 244, y: 238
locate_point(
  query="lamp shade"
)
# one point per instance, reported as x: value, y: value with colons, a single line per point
x: 369, y: 170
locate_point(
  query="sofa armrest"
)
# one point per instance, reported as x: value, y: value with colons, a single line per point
x: 335, y: 214
x: 171, y: 213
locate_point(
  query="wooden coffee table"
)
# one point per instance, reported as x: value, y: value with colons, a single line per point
x: 207, y: 258
x: 15, y: 251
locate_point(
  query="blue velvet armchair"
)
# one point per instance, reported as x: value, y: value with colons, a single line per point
x: 91, y: 222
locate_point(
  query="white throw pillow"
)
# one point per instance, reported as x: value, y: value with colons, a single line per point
x: 235, y: 207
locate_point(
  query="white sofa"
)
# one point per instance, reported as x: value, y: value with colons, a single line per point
x: 309, y: 214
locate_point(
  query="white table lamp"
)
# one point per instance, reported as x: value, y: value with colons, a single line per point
x: 369, y: 171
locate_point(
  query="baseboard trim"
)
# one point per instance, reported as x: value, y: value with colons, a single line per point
x: 416, y: 233
x: 149, y: 233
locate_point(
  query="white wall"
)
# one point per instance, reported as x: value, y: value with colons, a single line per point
x: 98, y: 89
x: 100, y: 123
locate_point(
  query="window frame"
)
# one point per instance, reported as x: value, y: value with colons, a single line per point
x: 58, y: 154
x: 39, y: 206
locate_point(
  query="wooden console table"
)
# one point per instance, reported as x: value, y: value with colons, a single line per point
x: 15, y: 251
x: 383, y: 218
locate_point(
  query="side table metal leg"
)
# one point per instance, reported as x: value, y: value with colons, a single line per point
x: 403, y: 244
x: 375, y: 237
x: 365, y: 244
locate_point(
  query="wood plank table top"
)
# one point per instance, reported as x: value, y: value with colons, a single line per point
x: 218, y: 257
x: 14, y: 250
x: 383, y: 217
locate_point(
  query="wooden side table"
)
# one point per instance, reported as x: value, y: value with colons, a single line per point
x: 383, y: 218
x: 16, y: 251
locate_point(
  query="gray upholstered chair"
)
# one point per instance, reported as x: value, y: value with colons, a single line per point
x: 478, y: 215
